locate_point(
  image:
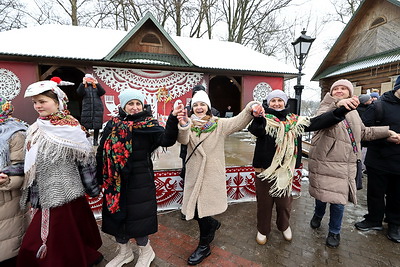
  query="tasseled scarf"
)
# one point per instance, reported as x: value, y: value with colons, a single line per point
x: 204, y: 125
x: 281, y: 170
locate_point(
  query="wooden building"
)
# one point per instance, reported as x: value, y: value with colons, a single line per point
x: 367, y: 52
x: 146, y: 58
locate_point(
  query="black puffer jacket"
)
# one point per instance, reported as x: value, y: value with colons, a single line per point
x: 92, y: 105
x: 138, y: 216
x: 381, y: 154
x: 265, y: 144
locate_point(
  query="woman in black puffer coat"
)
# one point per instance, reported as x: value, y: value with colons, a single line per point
x: 125, y: 169
x: 92, y: 105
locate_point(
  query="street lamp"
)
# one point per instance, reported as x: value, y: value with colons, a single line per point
x: 301, y: 47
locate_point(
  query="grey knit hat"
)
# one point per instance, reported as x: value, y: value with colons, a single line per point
x: 364, y: 98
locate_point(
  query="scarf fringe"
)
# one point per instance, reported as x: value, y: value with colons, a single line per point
x: 280, y: 172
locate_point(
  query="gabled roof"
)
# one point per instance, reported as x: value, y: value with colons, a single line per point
x: 131, y: 33
x: 367, y: 62
x: 67, y: 42
x: 325, y: 70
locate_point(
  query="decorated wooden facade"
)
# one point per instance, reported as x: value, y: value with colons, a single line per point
x: 367, y: 52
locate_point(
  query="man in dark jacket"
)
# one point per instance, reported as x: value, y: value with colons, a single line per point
x: 92, y: 105
x: 383, y: 167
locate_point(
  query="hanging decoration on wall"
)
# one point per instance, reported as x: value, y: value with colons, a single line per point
x: 163, y: 96
x: 261, y: 91
x: 10, y: 84
x: 149, y: 81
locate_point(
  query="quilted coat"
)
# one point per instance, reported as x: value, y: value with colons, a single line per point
x: 205, y: 181
x: 12, y: 219
x: 332, y: 161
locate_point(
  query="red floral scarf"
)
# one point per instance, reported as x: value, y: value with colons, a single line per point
x: 117, y: 149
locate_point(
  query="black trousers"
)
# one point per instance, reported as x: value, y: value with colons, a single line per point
x: 383, y: 196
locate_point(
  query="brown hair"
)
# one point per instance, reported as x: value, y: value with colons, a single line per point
x: 52, y: 95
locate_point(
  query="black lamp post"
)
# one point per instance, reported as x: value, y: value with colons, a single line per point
x: 301, y: 47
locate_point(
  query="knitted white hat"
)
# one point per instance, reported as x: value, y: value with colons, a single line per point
x: 277, y: 93
x: 201, y: 96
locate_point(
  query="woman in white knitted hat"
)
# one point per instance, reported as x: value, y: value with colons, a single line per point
x: 204, y: 193
x: 59, y: 169
x: 276, y: 156
x: 333, y: 158
x: 125, y: 169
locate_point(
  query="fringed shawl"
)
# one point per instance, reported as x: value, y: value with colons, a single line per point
x: 281, y: 170
x: 55, y: 142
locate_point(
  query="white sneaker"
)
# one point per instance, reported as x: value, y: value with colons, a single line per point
x: 125, y: 255
x: 261, y: 239
x: 146, y: 255
x: 287, y: 234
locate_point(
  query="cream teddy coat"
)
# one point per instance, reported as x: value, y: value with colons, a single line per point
x: 332, y: 161
x: 205, y: 181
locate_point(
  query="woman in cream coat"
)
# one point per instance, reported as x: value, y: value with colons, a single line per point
x: 333, y: 158
x: 204, y: 192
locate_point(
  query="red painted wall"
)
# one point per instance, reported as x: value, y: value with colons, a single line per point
x: 250, y: 82
x: 27, y: 74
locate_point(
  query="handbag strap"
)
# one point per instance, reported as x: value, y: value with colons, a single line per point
x: 351, y: 135
x: 193, y: 151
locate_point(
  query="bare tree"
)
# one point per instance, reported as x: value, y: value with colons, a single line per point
x: 344, y: 10
x: 243, y: 17
x: 11, y: 16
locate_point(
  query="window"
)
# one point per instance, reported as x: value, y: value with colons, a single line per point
x: 151, y: 39
x: 377, y: 22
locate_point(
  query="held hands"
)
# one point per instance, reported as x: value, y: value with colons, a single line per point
x: 349, y: 103
x: 181, y: 113
x: 258, y: 110
x: 3, y: 178
x: 394, y: 137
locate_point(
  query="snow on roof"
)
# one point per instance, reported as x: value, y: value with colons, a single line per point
x: 64, y: 41
x: 77, y: 42
x: 215, y: 54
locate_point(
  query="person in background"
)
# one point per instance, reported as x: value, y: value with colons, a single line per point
x: 125, y: 169
x: 59, y: 170
x: 383, y: 167
x: 276, y: 155
x: 333, y: 159
x: 228, y: 112
x: 204, y: 193
x: 374, y: 96
x: 92, y: 105
x: 12, y: 218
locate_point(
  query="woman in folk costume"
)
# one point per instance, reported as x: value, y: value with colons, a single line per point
x: 12, y: 218
x: 276, y: 155
x: 204, y: 193
x: 126, y: 171
x: 333, y: 160
x: 59, y: 169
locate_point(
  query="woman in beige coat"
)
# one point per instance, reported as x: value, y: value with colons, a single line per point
x: 204, y: 193
x: 333, y: 158
x: 12, y: 219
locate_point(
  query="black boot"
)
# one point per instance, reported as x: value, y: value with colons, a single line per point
x: 202, y: 251
x: 214, y: 226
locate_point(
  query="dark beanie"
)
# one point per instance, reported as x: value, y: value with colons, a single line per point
x: 397, y: 84
x: 198, y: 88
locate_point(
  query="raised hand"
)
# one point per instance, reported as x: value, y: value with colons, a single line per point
x: 349, y: 103
x: 258, y: 110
